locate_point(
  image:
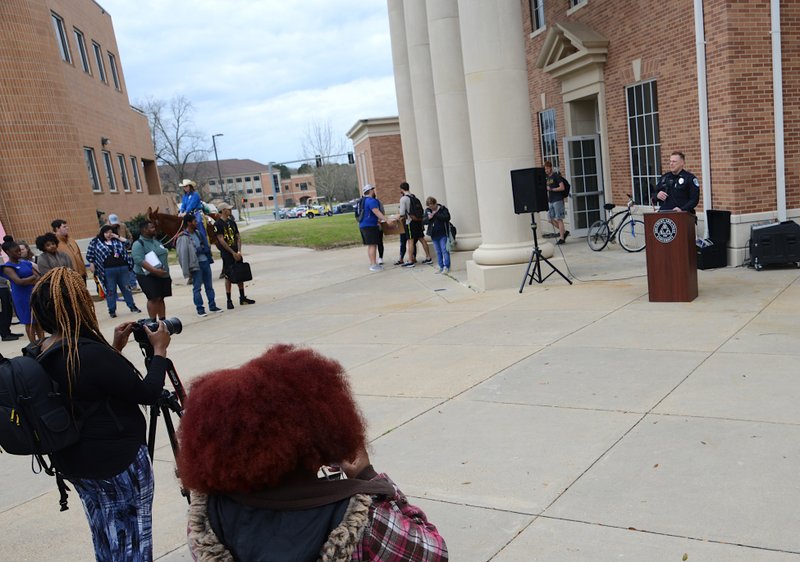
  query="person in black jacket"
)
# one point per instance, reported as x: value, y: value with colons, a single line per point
x: 109, y: 466
x: 438, y: 218
x: 677, y: 190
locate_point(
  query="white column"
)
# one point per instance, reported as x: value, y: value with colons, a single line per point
x: 419, y: 62
x: 450, y: 93
x: 500, y: 121
x: 405, y: 103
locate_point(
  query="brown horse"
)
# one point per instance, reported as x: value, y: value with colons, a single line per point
x: 170, y: 225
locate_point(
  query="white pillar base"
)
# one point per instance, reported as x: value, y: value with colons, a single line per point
x: 507, y: 254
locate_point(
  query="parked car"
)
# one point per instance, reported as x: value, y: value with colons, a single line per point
x: 297, y: 212
x: 282, y: 213
x: 317, y: 210
x: 342, y: 208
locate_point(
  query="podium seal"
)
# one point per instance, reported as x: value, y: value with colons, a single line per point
x: 665, y: 230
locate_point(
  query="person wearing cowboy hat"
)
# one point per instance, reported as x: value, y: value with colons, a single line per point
x: 191, y: 204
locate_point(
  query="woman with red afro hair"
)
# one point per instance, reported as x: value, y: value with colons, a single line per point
x: 257, y: 445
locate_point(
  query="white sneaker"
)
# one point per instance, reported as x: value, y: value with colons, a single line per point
x: 380, y: 261
x: 446, y: 270
x: 438, y: 271
x: 375, y: 268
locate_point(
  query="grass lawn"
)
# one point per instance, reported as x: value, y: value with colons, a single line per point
x: 320, y: 233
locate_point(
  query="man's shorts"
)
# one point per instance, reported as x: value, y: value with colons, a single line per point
x: 155, y: 287
x: 227, y: 262
x: 556, y: 210
x: 370, y: 235
x: 416, y: 230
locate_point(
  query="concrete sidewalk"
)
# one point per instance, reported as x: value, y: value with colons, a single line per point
x: 565, y: 423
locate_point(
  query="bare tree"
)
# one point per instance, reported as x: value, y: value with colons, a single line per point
x: 334, y: 181
x: 177, y: 144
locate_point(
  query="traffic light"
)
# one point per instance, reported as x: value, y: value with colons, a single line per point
x: 350, y: 158
x: 319, y: 160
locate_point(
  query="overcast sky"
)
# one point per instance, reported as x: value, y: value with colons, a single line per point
x: 260, y: 71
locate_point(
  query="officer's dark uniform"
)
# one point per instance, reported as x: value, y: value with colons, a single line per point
x: 682, y: 189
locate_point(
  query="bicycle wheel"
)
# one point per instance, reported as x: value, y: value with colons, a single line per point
x: 598, y: 237
x: 631, y: 236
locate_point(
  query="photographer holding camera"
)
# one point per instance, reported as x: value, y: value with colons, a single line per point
x: 109, y: 466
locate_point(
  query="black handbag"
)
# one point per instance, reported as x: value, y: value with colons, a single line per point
x: 240, y: 272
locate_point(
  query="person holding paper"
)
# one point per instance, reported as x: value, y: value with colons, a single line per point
x: 151, y: 266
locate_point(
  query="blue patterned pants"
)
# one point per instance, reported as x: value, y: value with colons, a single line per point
x: 119, y: 512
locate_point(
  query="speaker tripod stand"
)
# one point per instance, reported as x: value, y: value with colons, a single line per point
x: 534, y: 271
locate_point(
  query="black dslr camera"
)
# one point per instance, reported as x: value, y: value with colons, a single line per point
x: 173, y: 325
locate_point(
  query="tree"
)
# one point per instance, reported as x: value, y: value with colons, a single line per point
x: 334, y: 182
x: 305, y: 169
x: 286, y: 173
x: 177, y: 144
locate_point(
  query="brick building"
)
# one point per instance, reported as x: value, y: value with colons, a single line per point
x: 379, y: 156
x: 70, y: 142
x: 607, y: 89
x: 242, y: 180
x: 605, y: 76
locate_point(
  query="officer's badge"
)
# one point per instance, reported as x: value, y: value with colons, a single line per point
x: 696, y: 183
x: 680, y: 181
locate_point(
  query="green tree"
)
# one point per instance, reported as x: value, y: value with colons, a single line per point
x: 286, y: 173
x: 305, y: 169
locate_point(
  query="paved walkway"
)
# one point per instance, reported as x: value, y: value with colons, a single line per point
x: 566, y: 423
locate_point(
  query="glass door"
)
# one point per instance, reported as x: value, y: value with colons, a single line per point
x: 585, y: 175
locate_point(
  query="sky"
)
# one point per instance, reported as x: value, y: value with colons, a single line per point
x: 260, y: 71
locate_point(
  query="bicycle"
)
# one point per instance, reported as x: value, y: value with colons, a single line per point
x: 629, y: 231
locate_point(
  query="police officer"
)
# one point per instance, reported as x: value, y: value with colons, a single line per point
x: 677, y: 190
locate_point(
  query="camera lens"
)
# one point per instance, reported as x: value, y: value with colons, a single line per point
x: 173, y: 324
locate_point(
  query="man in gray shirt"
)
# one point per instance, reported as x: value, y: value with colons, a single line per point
x: 414, y: 231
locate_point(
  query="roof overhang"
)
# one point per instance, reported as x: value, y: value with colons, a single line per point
x: 571, y: 47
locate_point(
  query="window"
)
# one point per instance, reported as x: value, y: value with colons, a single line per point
x: 260, y: 203
x: 258, y: 190
x: 271, y: 198
x: 549, y: 137
x: 91, y: 168
x: 537, y: 14
x: 576, y: 3
x: 249, y: 190
x: 643, y: 139
x: 112, y: 62
x: 123, y: 172
x: 81, y: 42
x: 246, y: 179
x: 229, y: 180
x: 212, y: 182
x: 256, y: 178
x: 98, y: 59
x: 304, y: 186
x: 112, y: 183
x: 135, y: 168
x: 61, y: 37
x: 238, y: 180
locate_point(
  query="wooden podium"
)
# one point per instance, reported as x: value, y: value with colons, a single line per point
x: 671, y: 256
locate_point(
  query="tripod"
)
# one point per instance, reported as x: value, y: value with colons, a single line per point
x: 168, y: 402
x: 536, y: 262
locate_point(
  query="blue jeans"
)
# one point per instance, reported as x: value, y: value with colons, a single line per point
x: 118, y: 277
x: 199, y: 278
x: 442, y: 255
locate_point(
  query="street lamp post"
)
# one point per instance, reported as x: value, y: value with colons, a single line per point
x: 219, y: 174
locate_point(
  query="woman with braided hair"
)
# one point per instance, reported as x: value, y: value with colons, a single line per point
x: 253, y: 442
x: 109, y: 466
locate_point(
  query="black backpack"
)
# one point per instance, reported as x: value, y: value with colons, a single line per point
x: 416, y: 211
x: 360, y: 209
x: 35, y: 416
x: 566, y: 186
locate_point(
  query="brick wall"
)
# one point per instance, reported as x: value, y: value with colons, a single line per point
x: 740, y: 96
x: 51, y: 110
x: 385, y: 167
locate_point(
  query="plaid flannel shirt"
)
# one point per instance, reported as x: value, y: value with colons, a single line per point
x: 98, y: 252
x: 399, y: 532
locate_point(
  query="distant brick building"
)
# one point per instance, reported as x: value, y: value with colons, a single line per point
x: 70, y: 143
x: 246, y: 180
x: 379, y: 156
